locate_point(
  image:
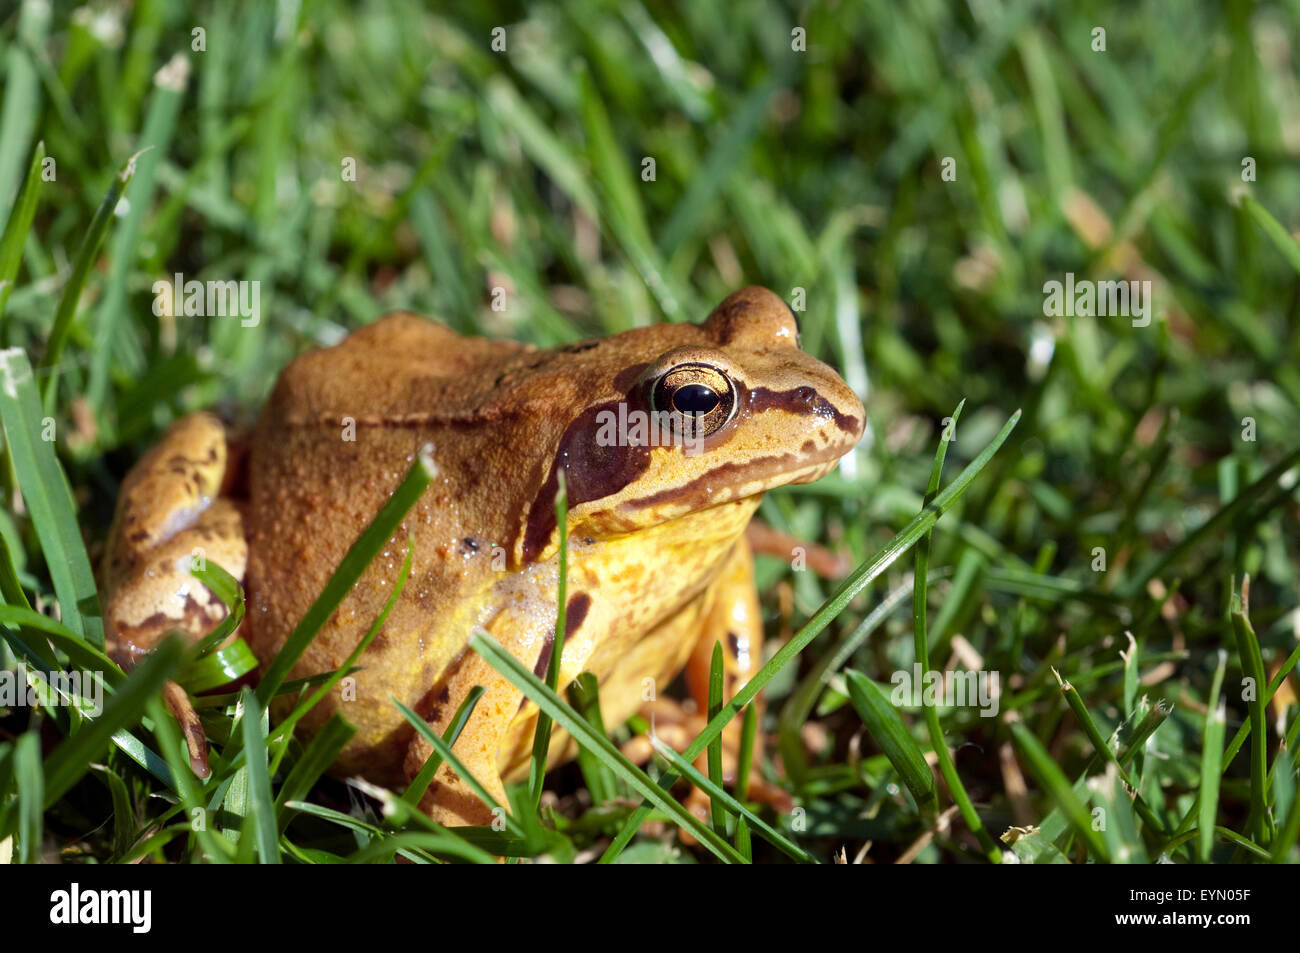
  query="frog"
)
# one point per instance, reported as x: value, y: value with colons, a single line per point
x: 658, y: 569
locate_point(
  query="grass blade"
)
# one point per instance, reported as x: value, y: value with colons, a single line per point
x: 71, y: 759
x: 284, y: 731
x: 22, y: 91
x: 1120, y: 830
x: 316, y: 758
x: 1223, y: 515
x: 45, y: 490
x: 1044, y: 769
x: 414, y: 792
x: 726, y: 802
x: 1252, y: 668
x: 542, y: 733
x: 261, y: 814
x: 1244, y: 732
x: 724, y: 159
x: 159, y: 126
x: 17, y: 228
x: 536, y: 689
x: 885, y: 725
x: 584, y: 696
x: 919, y: 593
x: 1276, y: 232
x: 368, y: 545
x: 81, y: 266
x: 1100, y: 746
x: 31, y: 796
x: 1212, y: 761
x: 1288, y: 833
x: 81, y: 654
x: 443, y: 749
x: 625, y: 216
x: 715, y: 746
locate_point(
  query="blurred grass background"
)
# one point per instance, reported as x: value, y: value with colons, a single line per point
x: 817, y: 170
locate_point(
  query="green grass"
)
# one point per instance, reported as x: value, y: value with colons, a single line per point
x: 1091, y: 551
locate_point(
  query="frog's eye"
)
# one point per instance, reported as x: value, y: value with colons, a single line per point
x: 700, y: 395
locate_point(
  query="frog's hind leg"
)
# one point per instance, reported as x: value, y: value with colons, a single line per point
x: 170, y: 512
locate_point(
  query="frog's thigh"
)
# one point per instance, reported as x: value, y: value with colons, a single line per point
x: 169, y: 511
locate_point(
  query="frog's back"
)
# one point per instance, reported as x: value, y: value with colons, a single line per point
x: 343, y: 426
x: 401, y: 368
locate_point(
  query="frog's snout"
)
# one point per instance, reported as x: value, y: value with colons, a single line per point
x: 812, y: 400
x: 849, y: 415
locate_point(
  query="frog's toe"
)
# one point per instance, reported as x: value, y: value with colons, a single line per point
x: 177, y: 701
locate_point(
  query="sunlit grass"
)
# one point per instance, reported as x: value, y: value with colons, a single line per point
x: 1092, y: 547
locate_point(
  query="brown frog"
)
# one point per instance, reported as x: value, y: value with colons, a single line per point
x: 658, y: 566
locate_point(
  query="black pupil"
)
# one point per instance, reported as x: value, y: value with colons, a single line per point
x: 694, y: 399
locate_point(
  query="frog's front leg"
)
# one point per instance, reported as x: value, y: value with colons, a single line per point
x: 491, y: 727
x: 449, y: 800
x: 733, y: 619
x: 170, y: 511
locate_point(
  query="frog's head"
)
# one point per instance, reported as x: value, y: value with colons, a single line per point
x: 679, y: 418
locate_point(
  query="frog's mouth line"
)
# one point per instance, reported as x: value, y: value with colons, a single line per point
x: 691, y: 500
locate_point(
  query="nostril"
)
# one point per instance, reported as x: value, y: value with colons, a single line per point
x: 806, y: 394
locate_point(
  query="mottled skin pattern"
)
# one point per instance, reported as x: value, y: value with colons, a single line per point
x: 657, y: 562
x: 168, y: 511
